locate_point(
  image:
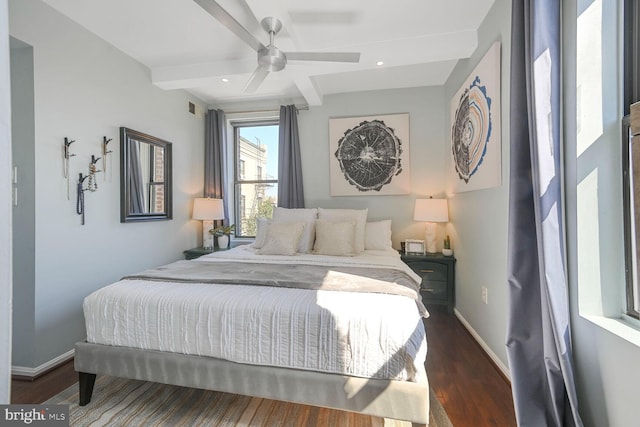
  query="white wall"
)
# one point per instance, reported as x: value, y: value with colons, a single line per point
x: 24, y: 213
x: 86, y: 89
x: 5, y: 210
x: 607, y: 371
x: 426, y: 150
x: 479, y: 218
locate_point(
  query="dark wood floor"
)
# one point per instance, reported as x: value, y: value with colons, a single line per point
x: 471, y: 389
x: 469, y: 386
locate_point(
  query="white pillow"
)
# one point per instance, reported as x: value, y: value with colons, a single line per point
x: 261, y: 232
x: 308, y: 216
x: 357, y: 215
x: 335, y: 238
x: 377, y: 235
x: 282, y: 238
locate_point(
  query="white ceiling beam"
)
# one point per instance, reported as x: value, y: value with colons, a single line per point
x: 309, y: 90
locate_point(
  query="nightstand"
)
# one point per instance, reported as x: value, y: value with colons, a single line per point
x: 438, y: 277
x: 198, y: 252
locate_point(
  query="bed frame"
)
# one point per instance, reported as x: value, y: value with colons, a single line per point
x: 401, y: 400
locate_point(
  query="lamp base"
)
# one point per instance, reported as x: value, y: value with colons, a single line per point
x: 430, y: 237
x: 207, y: 238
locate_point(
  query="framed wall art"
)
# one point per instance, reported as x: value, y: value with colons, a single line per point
x: 369, y: 155
x: 475, y: 127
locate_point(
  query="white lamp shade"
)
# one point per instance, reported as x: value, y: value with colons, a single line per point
x: 431, y: 210
x: 207, y: 209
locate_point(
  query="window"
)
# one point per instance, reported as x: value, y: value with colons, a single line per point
x: 156, y: 198
x: 242, y: 206
x: 256, y: 151
x: 241, y: 169
x: 631, y: 157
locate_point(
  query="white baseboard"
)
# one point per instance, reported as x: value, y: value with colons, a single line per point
x: 485, y: 347
x: 34, y: 372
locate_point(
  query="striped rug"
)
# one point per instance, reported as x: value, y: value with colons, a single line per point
x: 122, y: 402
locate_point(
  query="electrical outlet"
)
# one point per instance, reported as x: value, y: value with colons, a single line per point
x: 485, y: 295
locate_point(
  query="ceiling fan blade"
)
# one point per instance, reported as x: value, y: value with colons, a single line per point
x: 324, y: 56
x: 230, y: 22
x: 250, y: 21
x: 255, y: 80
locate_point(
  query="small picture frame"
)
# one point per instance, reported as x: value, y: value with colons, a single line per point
x: 414, y: 247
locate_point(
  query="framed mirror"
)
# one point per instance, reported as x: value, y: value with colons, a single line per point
x: 145, y: 177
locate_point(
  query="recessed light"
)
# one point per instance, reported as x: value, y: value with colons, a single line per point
x: 379, y: 63
x: 225, y: 80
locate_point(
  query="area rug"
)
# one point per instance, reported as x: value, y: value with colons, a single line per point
x: 123, y: 402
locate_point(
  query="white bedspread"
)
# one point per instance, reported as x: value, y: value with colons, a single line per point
x: 368, y: 335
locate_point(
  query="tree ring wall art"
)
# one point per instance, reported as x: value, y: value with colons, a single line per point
x: 475, y: 127
x: 369, y: 155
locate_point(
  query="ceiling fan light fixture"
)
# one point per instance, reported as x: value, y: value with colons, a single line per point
x: 380, y: 63
x: 225, y: 80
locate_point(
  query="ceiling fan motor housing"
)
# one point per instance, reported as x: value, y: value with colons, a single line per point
x: 271, y: 58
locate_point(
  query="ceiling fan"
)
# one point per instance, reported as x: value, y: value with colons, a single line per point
x: 270, y: 58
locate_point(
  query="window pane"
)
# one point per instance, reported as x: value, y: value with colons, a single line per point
x: 156, y: 198
x: 257, y: 153
x: 256, y: 171
x: 631, y: 186
x: 634, y: 177
x: 158, y: 164
x: 631, y: 155
x: 254, y: 201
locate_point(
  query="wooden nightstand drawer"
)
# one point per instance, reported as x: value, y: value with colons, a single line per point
x: 438, y: 277
x: 436, y: 289
x: 430, y: 270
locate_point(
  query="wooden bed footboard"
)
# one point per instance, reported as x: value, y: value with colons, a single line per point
x: 400, y: 400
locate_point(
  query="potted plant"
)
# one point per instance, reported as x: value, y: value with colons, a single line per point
x: 223, y: 233
x: 446, y: 250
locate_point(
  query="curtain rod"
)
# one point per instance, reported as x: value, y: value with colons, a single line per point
x: 298, y: 107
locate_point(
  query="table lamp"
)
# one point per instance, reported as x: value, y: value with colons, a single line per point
x: 207, y: 210
x: 432, y: 211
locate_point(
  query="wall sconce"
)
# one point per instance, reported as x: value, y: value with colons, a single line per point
x: 432, y: 211
x: 207, y: 210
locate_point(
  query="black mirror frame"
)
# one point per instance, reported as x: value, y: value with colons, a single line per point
x: 126, y: 135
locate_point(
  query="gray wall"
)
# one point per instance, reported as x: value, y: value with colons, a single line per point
x: 479, y: 218
x: 427, y: 162
x: 85, y: 89
x: 23, y: 156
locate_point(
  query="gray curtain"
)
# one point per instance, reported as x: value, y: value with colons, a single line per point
x: 136, y: 181
x: 290, y: 192
x: 538, y: 333
x: 215, y: 148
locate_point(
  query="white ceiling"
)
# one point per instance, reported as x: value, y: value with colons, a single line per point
x: 420, y: 41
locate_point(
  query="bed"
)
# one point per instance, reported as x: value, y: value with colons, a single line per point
x: 337, y: 326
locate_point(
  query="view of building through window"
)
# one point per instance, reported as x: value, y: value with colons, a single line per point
x: 256, y: 175
x: 157, y: 184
